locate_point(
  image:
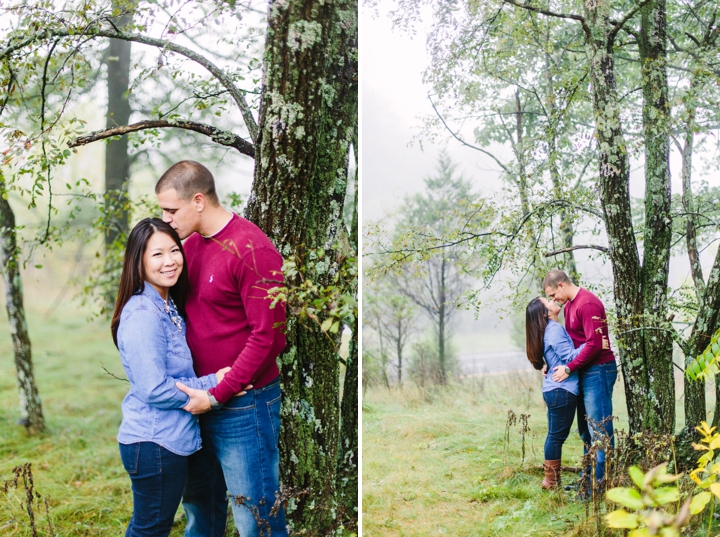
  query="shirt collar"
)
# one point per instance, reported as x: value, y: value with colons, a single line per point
x: 150, y: 292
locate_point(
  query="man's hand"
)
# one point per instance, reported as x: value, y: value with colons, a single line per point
x: 560, y: 374
x: 199, y: 401
x: 544, y: 371
x: 606, y: 343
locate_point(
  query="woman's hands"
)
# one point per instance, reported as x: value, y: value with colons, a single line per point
x: 199, y: 402
x: 221, y: 373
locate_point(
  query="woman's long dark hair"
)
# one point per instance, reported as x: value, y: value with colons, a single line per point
x: 536, y: 320
x: 132, y: 280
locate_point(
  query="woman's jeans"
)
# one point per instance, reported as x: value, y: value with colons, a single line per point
x: 240, y: 450
x: 158, y: 477
x: 596, y: 391
x: 561, y: 406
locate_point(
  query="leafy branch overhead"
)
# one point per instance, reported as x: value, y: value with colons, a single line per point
x: 83, y: 26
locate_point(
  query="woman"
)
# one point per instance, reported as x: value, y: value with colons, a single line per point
x: 547, y: 343
x: 156, y: 435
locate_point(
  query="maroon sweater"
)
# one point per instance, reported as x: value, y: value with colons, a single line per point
x: 586, y: 322
x: 230, y: 321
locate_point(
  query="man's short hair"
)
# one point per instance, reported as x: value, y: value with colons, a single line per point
x: 188, y: 178
x: 553, y: 278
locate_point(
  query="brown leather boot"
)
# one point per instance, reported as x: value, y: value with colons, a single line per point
x: 552, y: 474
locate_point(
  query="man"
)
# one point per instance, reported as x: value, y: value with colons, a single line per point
x: 231, y: 265
x: 586, y: 322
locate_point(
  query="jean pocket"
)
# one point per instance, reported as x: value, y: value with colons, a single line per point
x: 240, y: 403
x: 274, y: 414
x: 130, y: 455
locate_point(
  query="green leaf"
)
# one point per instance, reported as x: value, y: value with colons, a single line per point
x: 640, y: 532
x: 38, y: 266
x: 669, y: 532
x: 666, y: 495
x: 327, y: 323
x: 622, y: 519
x: 626, y: 496
x: 699, y: 502
x: 637, y: 475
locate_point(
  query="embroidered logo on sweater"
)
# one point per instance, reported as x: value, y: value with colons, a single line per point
x: 211, y: 278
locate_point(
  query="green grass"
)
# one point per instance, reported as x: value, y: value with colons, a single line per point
x: 76, y: 463
x: 434, y: 462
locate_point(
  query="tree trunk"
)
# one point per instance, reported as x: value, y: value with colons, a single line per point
x: 615, y: 199
x: 399, y: 348
x: 117, y: 163
x: 307, y: 122
x: 347, y: 484
x: 442, y: 317
x: 31, y: 414
x: 695, y: 407
x: 657, y: 234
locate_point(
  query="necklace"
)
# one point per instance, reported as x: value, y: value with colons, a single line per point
x: 171, y: 310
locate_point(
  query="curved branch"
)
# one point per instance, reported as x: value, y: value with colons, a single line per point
x: 218, y: 73
x: 578, y: 247
x: 219, y: 136
x: 463, y: 142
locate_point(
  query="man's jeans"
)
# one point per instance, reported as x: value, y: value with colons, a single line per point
x: 158, y: 476
x: 240, y: 449
x: 561, y: 412
x: 595, y: 401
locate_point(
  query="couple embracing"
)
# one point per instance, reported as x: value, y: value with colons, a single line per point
x: 198, y: 339
x: 581, y: 369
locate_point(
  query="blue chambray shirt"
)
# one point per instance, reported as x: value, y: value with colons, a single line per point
x: 559, y: 350
x: 155, y: 354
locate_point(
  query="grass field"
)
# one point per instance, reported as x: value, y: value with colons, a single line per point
x: 434, y: 462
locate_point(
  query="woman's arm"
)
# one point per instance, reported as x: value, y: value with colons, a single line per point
x: 143, y: 350
x: 559, y: 341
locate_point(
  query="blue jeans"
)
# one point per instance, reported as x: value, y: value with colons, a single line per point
x: 239, y: 456
x: 561, y: 406
x: 157, y: 476
x: 596, y: 390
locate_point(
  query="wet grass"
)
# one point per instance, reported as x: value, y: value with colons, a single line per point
x: 434, y: 462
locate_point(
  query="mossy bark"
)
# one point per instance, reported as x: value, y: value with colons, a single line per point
x: 347, y: 482
x: 307, y: 122
x: 31, y: 413
x: 614, y: 181
x: 657, y: 233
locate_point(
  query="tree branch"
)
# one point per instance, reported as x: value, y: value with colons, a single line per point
x: 463, y: 142
x: 218, y: 73
x: 571, y: 16
x: 578, y: 247
x: 619, y: 25
x: 219, y: 136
